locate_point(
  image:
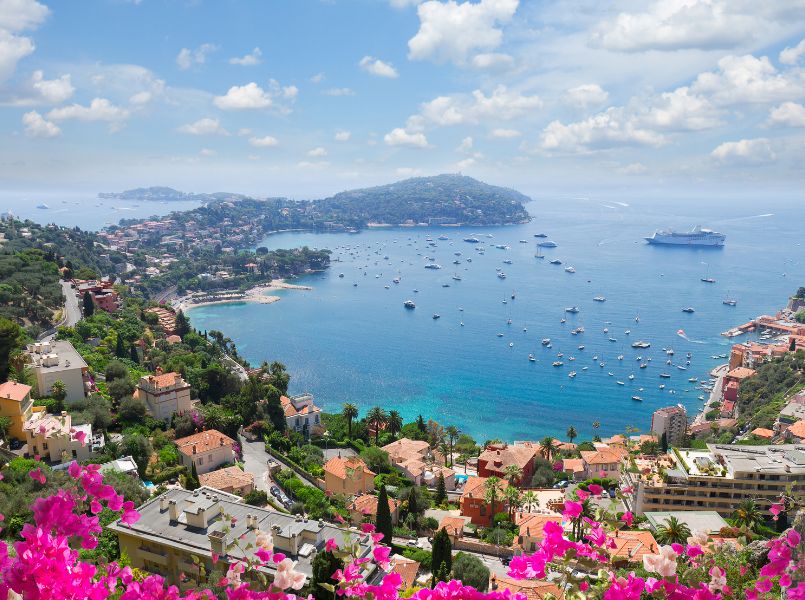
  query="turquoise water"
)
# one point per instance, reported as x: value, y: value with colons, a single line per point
x: 359, y: 344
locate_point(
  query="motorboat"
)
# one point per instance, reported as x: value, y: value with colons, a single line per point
x: 546, y: 341
x: 599, y: 299
x: 436, y: 316
x: 689, y: 309
x: 641, y: 344
x: 556, y: 262
x: 557, y: 363
x: 572, y: 309
x: 637, y: 398
x: 409, y: 304
x: 570, y: 270
x: 665, y: 375
x: 531, y: 358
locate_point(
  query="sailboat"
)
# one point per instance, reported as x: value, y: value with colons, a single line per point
x: 707, y: 278
x: 729, y: 300
x: 539, y: 253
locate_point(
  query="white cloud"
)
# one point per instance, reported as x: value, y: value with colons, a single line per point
x: 789, y: 114
x: 249, y: 60
x: 612, y: 127
x: 790, y: 56
x: 408, y: 171
x: 465, y: 164
x: 100, y: 109
x: 586, y: 95
x: 342, y: 136
x: 465, y: 145
x: 52, y: 90
x: 12, y: 49
x: 242, y: 97
x: 207, y: 152
x: 401, y: 137
x: 317, y: 152
x: 317, y: 78
x: 141, y: 98
x: 263, y: 142
x: 404, y: 3
x: 452, y: 31
x: 633, y: 169
x: 502, y: 104
x: 492, y: 61
x: 205, y: 126
x: 19, y: 15
x: 679, y: 24
x: 188, y: 58
x: 505, y: 134
x: 36, y: 126
x: 378, y: 68
x: 744, y: 152
x: 244, y: 131
x: 290, y: 91
x: 344, y: 91
x: 748, y: 79
x: 307, y: 164
x: 681, y: 110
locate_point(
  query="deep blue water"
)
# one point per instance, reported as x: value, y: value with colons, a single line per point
x: 358, y: 344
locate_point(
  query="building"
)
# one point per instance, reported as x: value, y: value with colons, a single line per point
x: 719, y: 478
x: 232, y: 480
x: 419, y: 463
x: 59, y: 361
x: 473, y: 503
x: 124, y: 464
x: 17, y: 405
x: 348, y: 476
x: 631, y: 547
x: 574, y: 467
x: 671, y: 421
x: 737, y: 375
x: 704, y: 521
x: 531, y: 589
x: 164, y: 394
x: 406, y: 568
x: 454, y: 526
x: 55, y: 439
x: 796, y: 433
x: 364, y: 508
x: 180, y: 530
x: 301, y: 414
x: 107, y: 300
x: 207, y: 450
x: 603, y: 462
x: 532, y: 526
x: 165, y: 318
x: 496, y: 459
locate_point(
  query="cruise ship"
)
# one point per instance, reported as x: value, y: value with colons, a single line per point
x: 696, y: 237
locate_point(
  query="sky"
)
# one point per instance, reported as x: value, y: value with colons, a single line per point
x: 305, y: 98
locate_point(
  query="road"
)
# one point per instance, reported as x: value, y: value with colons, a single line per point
x: 255, y: 460
x: 71, y: 312
x: 715, y: 396
x: 238, y: 368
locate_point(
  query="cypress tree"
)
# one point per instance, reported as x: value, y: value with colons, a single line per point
x: 182, y: 325
x: 413, y: 506
x: 135, y: 356
x: 383, y: 519
x: 441, y: 490
x: 664, y: 442
x: 442, y: 557
x: 120, y: 349
x: 89, y: 305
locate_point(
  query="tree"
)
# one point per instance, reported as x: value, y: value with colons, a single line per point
x: 182, y: 324
x: 452, y: 435
x: 548, y: 448
x: 571, y: 433
x: 324, y: 565
x: 131, y: 410
x: 491, y: 492
x: 89, y: 305
x: 747, y: 515
x: 441, y: 490
x: 376, y: 459
x: 394, y: 422
x: 349, y: 412
x: 420, y: 424
x: 10, y: 342
x: 672, y: 531
x: 512, y: 496
x: 377, y: 418
x: 383, y: 520
x: 413, y: 502
x: 470, y: 570
x: 120, y: 388
x: 134, y: 356
x: 442, y: 555
x: 530, y: 501
x: 513, y: 474
x: 115, y: 370
x: 59, y: 392
x: 120, y: 347
x: 139, y: 448
x: 5, y: 426
x: 664, y: 442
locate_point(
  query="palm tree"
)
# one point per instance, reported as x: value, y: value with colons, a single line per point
x: 571, y: 433
x: 512, y: 496
x: 530, y: 501
x: 59, y: 392
x: 548, y: 448
x: 492, y: 491
x: 513, y: 474
x: 395, y: 422
x: 452, y: 435
x: 672, y: 532
x: 747, y: 514
x: 377, y: 417
x: 596, y: 424
x: 349, y: 411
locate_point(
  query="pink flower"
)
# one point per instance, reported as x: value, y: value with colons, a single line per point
x: 95, y: 507
x: 381, y: 556
x: 330, y: 545
x: 367, y: 527
x: 628, y: 518
x: 286, y: 577
x: 595, y: 489
x: 694, y: 551
x: 793, y: 538
x: 630, y: 588
x: 664, y: 563
x: 37, y: 475
x: 80, y: 436
x: 678, y: 548
x: 582, y: 495
x: 572, y: 509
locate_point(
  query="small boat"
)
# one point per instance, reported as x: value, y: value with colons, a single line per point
x: 512, y: 295
x: 570, y: 270
x: 620, y: 356
x: 599, y: 299
x: 643, y: 365
x: 708, y: 280
x: 42, y: 206
x: 445, y: 285
x: 729, y: 302
x: 682, y: 367
x: 606, y: 329
x: 572, y: 358
x: 396, y: 280
x: 547, y: 244
x: 433, y: 266
x: 456, y: 277
x: 563, y: 320
x: 472, y: 240
x: 612, y: 339
x: 436, y: 316
x: 637, y: 398
x: 546, y: 341
x: 523, y: 241
x: 502, y: 275
x: 507, y: 261
x: 456, y: 262
x: 531, y: 358
x: 341, y: 275
x: 601, y: 365
x: 631, y: 377
x: 572, y: 309
x: 689, y: 309
x: 508, y: 321
x: 572, y: 374
x: 581, y: 347
x: 641, y: 344
x: 665, y: 375
x: 540, y: 235
x: 620, y: 383
x: 584, y: 368
x: 556, y: 262
x: 500, y: 335
x: 557, y: 363
x: 559, y: 355
x: 662, y: 386
x: 693, y: 380
x: 409, y: 304
x: 627, y: 332
x: 443, y: 237
x: 511, y: 344
x: 355, y: 284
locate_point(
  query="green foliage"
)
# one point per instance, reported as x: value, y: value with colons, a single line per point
x: 376, y: 459
x: 88, y: 304
x: 441, y: 490
x: 324, y: 565
x: 763, y: 395
x: 131, y: 410
x: 139, y: 448
x: 256, y: 498
x: 424, y: 557
x: 11, y: 341
x: 544, y: 475
x: 315, y: 502
x: 442, y: 552
x: 470, y: 570
x: 383, y: 521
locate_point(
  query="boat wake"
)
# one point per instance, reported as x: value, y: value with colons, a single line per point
x: 622, y: 204
x: 681, y: 333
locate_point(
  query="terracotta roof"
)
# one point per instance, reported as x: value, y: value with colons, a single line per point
x: 366, y: 504
x: 531, y: 589
x: 475, y: 487
x: 740, y: 373
x: 203, y: 442
x: 453, y: 525
x: 763, y: 433
x: 602, y: 456
x: 633, y: 545
x: 291, y: 411
x: 498, y: 457
x: 532, y: 525
x: 338, y: 466
x: 14, y: 391
x: 573, y: 465
x: 407, y: 569
x: 226, y: 479
x: 797, y: 429
x: 165, y: 379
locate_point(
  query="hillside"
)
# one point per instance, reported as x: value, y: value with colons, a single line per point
x: 167, y: 194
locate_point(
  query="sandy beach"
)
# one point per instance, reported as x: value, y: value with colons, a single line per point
x: 256, y: 294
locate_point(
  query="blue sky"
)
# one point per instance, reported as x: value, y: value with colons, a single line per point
x: 309, y: 97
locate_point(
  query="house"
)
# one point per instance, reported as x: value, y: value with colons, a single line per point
x: 59, y: 361
x: 181, y: 531
x: 301, y: 414
x: 761, y: 432
x: 124, y: 464
x: 348, y: 476
x: 164, y: 394
x: 232, y: 480
x: 532, y: 527
x: 496, y: 459
x: 631, y: 547
x: 364, y: 508
x: 107, y: 300
x: 602, y: 462
x: 531, y: 589
x: 574, y: 467
x: 16, y: 404
x: 454, y: 526
x: 671, y: 421
x: 406, y: 568
x: 474, y: 504
x: 419, y: 463
x: 206, y: 450
x: 54, y: 438
x: 795, y: 434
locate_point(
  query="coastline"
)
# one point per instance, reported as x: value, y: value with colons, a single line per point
x: 254, y: 294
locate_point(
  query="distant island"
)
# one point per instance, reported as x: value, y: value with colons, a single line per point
x: 166, y: 194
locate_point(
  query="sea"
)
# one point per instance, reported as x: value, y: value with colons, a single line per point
x: 350, y: 339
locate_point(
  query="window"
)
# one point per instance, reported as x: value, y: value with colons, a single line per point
x: 44, y: 446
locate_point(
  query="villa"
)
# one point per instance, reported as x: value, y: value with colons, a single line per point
x: 348, y: 476
x: 16, y: 404
x: 207, y: 450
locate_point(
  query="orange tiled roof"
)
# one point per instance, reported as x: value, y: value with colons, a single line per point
x: 573, y: 465
x: 498, y: 457
x: 741, y: 373
x: 366, y: 504
x: 338, y: 466
x: 407, y: 569
x: 291, y: 411
x: 531, y: 589
x: 602, y: 456
x: 453, y: 525
x: 165, y: 379
x: 475, y: 487
x: 14, y: 391
x: 797, y: 429
x: 633, y: 545
x: 203, y: 442
x: 532, y: 525
x: 763, y: 433
x: 226, y: 478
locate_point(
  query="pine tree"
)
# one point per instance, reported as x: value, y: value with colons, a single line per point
x: 664, y: 442
x: 420, y: 424
x: 135, y: 356
x: 182, y: 324
x: 441, y: 490
x: 89, y: 305
x: 442, y: 557
x: 383, y: 520
x: 413, y: 506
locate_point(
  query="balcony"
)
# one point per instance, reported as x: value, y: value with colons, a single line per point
x: 154, y: 555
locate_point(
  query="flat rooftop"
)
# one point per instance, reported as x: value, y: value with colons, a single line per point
x: 68, y: 357
x: 708, y: 521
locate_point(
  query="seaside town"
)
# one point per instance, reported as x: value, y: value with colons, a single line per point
x: 187, y: 430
